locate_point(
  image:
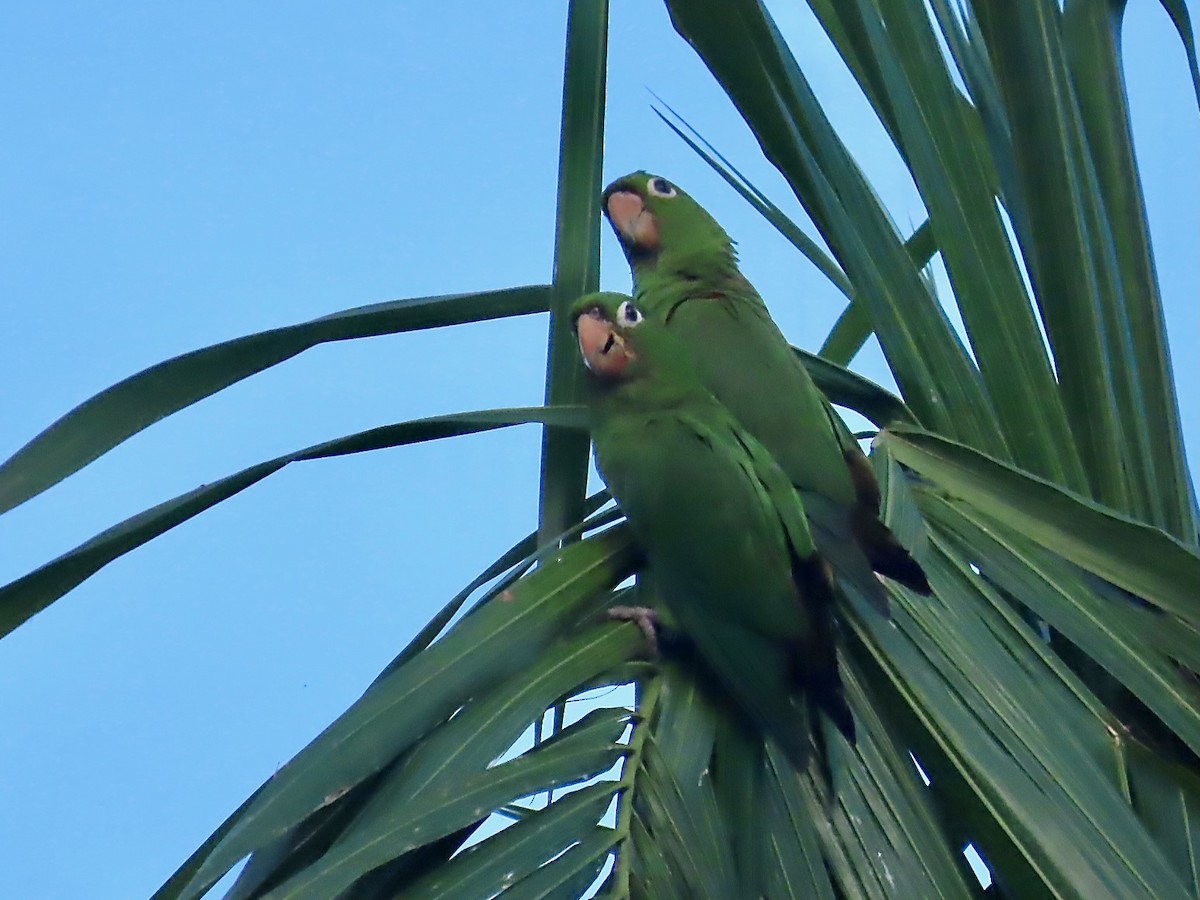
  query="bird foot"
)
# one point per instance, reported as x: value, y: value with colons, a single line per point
x: 644, y: 617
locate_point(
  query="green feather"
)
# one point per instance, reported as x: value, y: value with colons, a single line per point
x: 685, y: 274
x: 725, y: 533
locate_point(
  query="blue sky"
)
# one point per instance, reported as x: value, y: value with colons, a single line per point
x: 176, y: 175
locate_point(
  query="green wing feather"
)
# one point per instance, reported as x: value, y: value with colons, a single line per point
x: 691, y: 281
x: 733, y: 560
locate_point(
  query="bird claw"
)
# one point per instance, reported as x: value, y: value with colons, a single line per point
x: 644, y: 617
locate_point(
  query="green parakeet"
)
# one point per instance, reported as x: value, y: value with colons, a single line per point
x: 729, y: 549
x: 685, y: 273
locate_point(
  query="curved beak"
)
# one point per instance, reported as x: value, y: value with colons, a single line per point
x: 602, y: 349
x: 634, y: 224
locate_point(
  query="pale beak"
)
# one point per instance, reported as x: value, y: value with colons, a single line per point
x: 603, y: 350
x: 633, y: 221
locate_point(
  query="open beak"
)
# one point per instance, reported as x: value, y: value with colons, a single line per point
x: 603, y: 350
x: 633, y: 222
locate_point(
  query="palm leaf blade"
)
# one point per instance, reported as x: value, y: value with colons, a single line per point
x: 121, y: 411
x: 576, y: 255
x: 414, y: 698
x: 33, y: 592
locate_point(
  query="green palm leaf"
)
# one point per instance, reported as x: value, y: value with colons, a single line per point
x: 102, y: 422
x: 526, y: 748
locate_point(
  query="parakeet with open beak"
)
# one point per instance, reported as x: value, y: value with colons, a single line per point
x: 725, y: 534
x: 686, y: 275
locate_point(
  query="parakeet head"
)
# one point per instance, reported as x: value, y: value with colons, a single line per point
x: 621, y: 347
x: 662, y: 229
x: 604, y: 325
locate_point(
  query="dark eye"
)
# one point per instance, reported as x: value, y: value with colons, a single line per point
x: 660, y: 187
x: 628, y: 314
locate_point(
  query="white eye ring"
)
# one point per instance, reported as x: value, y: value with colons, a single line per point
x: 660, y: 187
x: 628, y: 315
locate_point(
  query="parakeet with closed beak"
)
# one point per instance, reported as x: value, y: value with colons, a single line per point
x: 686, y: 275
x: 725, y: 534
